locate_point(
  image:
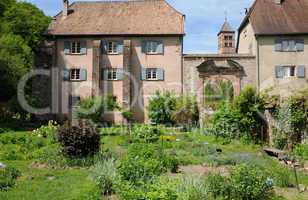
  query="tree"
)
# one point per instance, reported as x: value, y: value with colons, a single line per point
x: 5, y: 4
x: 26, y: 20
x: 15, y: 61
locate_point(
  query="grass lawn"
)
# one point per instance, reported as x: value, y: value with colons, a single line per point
x: 195, y: 150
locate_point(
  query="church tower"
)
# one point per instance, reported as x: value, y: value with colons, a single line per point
x: 226, y: 39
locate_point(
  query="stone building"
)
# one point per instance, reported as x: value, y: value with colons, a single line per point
x: 126, y: 49
x: 202, y: 69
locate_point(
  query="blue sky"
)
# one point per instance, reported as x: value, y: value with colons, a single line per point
x: 204, y: 19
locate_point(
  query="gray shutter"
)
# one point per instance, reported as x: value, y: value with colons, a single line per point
x: 83, y: 74
x: 285, y: 45
x: 278, y: 45
x: 66, y: 75
x: 143, y: 74
x: 120, y: 74
x: 104, y: 46
x: 67, y: 47
x: 301, y: 71
x: 160, y: 47
x: 279, y: 72
x: 144, y: 46
x: 120, y: 47
x: 292, y: 45
x: 83, y: 47
x: 300, y: 45
x: 160, y: 74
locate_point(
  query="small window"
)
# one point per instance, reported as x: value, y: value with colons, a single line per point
x: 112, y: 47
x: 230, y: 44
x: 75, y: 47
x: 112, y: 74
x: 287, y: 71
x: 151, y: 74
x: 75, y: 74
x: 230, y: 37
x: 152, y: 47
x: 226, y: 44
x: 74, y: 101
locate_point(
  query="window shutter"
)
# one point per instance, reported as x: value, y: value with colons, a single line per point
x: 285, y: 45
x: 66, y: 75
x: 160, y: 47
x: 279, y: 72
x: 83, y: 74
x: 83, y: 47
x: 143, y: 74
x: 292, y: 45
x: 67, y: 47
x: 300, y: 45
x: 160, y: 74
x: 144, y: 46
x: 301, y: 71
x: 120, y: 74
x: 104, y: 46
x: 278, y: 45
x: 120, y: 47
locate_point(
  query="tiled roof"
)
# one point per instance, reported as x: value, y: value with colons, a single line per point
x: 142, y: 17
x: 270, y: 18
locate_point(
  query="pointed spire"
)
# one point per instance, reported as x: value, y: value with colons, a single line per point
x: 226, y: 27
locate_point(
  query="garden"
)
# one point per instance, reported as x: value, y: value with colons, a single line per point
x: 171, y: 159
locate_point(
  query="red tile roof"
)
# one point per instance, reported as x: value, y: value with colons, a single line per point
x: 270, y: 18
x: 143, y: 17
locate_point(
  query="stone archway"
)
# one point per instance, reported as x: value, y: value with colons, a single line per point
x: 220, y: 70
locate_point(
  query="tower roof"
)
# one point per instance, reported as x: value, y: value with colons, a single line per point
x: 226, y: 27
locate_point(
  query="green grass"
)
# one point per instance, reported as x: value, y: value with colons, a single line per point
x: 36, y: 183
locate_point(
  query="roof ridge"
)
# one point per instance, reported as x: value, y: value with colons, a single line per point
x: 115, y: 1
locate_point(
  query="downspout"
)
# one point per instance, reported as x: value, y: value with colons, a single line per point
x: 258, y: 64
x: 182, y: 66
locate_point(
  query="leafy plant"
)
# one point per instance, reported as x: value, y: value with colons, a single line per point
x: 105, y: 175
x: 79, y: 141
x: 192, y: 187
x: 161, y: 107
x: 146, y: 133
x: 8, y: 177
x: 93, y: 108
x: 186, y: 111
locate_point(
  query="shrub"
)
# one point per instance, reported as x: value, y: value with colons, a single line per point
x: 79, y: 141
x: 8, y: 177
x: 145, y: 133
x: 161, y: 106
x: 48, y: 131
x: 93, y: 108
x: 280, y: 142
x: 301, y: 151
x: 245, y: 182
x: 105, y: 175
x: 186, y: 111
x: 192, y: 187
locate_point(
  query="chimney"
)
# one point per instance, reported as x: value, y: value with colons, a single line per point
x: 65, y: 8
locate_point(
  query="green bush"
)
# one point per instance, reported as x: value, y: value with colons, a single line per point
x: 93, y: 108
x: 161, y: 107
x: 280, y: 143
x: 241, y: 118
x: 48, y: 131
x: 104, y: 174
x: 301, y: 151
x: 192, y: 187
x: 145, y: 133
x: 79, y: 141
x: 8, y: 178
x: 245, y: 182
x: 186, y: 111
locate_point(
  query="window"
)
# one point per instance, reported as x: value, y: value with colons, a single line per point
x: 151, y: 74
x: 74, y: 101
x: 289, y: 45
x: 285, y: 71
x: 152, y: 47
x: 75, y: 74
x: 75, y: 47
x: 112, y: 74
x: 228, y: 44
x: 112, y: 47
